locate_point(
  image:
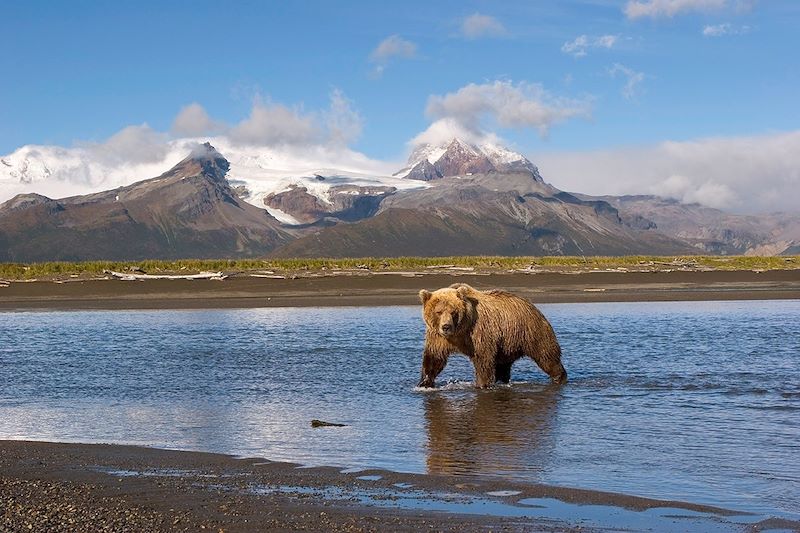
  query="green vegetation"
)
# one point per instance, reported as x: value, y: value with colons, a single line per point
x: 18, y: 271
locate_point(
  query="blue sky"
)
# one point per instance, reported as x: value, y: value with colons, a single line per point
x: 591, y: 80
x: 84, y: 70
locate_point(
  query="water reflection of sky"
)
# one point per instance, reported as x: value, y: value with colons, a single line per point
x: 665, y: 399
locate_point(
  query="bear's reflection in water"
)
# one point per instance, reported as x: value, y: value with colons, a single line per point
x: 497, y: 431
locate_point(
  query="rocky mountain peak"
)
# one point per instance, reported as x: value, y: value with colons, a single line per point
x: 457, y: 157
x: 204, y: 159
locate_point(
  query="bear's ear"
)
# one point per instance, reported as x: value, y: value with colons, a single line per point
x: 424, y: 296
x: 465, y: 292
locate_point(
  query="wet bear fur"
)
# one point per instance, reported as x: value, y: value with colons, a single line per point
x: 493, y: 328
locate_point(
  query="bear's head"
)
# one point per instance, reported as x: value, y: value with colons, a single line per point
x: 451, y: 311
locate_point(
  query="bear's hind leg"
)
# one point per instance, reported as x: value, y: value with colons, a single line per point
x: 484, y: 372
x: 554, y: 369
x: 503, y: 372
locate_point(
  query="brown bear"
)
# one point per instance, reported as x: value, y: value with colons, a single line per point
x: 492, y: 328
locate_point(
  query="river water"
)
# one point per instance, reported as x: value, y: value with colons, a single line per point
x: 692, y: 401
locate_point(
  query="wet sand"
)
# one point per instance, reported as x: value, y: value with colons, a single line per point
x: 371, y: 289
x: 93, y: 487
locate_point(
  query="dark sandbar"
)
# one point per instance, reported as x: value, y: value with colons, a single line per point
x: 373, y: 289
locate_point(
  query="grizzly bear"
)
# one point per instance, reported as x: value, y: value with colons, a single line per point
x: 492, y: 328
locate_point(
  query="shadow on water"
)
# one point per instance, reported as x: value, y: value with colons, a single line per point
x: 508, y: 430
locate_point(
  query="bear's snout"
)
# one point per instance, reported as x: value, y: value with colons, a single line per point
x: 447, y: 324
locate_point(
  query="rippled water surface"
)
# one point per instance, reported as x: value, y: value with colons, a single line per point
x: 688, y: 401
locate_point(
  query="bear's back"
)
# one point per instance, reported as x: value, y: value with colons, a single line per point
x: 502, y: 313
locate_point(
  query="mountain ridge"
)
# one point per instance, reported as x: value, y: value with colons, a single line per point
x: 197, y: 209
x: 188, y: 211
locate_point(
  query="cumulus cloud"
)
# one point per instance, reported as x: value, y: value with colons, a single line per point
x: 742, y: 174
x: 133, y: 144
x: 579, y: 47
x: 193, y: 121
x: 270, y: 123
x: 393, y: 46
x: 390, y: 48
x: 343, y: 122
x: 632, y: 79
x: 719, y: 30
x: 635, y: 9
x: 477, y: 25
x: 446, y: 129
x: 480, y: 107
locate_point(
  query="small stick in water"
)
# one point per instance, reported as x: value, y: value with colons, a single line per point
x: 321, y: 424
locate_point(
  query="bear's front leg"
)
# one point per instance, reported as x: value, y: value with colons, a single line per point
x: 434, y: 358
x: 432, y: 366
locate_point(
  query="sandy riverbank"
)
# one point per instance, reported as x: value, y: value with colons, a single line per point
x: 371, y: 289
x: 80, y: 487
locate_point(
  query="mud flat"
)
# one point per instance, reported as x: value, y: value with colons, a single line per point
x: 395, y: 288
x: 88, y: 487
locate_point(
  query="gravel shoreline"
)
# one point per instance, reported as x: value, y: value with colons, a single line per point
x: 97, y: 487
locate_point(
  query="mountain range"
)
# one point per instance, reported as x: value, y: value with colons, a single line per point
x: 457, y: 198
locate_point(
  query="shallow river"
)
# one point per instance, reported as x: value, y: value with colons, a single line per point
x: 693, y: 401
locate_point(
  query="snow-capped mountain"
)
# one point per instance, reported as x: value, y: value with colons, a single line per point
x: 188, y: 211
x: 271, y: 178
x: 256, y: 172
x: 457, y: 157
x: 325, y: 202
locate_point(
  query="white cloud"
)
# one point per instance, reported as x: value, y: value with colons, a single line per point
x: 133, y: 144
x: 476, y: 26
x: 579, y: 46
x: 344, y: 124
x: 743, y: 174
x: 193, y: 121
x: 632, y: 79
x: 669, y: 8
x: 275, y: 124
x: 718, y: 30
x: 446, y: 129
x: 480, y: 107
x: 391, y: 47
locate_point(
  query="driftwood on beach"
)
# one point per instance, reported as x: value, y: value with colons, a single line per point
x: 127, y: 276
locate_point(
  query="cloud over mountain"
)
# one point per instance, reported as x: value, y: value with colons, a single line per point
x: 193, y: 121
x: 476, y: 109
x: 134, y: 144
x: 271, y: 123
x: 743, y: 174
